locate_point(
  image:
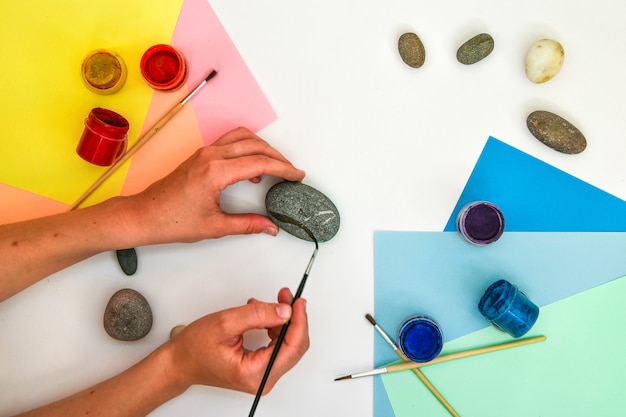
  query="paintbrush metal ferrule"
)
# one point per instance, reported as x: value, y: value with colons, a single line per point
x: 189, y: 96
x: 373, y: 372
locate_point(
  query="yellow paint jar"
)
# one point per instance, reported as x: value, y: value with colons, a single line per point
x: 104, y: 72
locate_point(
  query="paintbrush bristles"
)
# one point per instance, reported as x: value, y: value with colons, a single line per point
x: 371, y: 319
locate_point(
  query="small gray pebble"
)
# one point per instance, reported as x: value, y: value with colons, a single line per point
x: 127, y: 258
x: 127, y: 316
x: 556, y: 132
x: 475, y: 49
x: 304, y: 205
x: 411, y: 50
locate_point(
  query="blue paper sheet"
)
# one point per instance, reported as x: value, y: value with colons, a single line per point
x: 441, y: 275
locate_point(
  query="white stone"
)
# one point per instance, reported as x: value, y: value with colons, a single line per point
x: 544, y: 60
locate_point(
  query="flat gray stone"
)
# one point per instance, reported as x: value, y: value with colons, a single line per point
x: 556, y: 132
x: 300, y: 209
x: 127, y: 258
x: 475, y: 49
x: 127, y: 316
x: 411, y: 50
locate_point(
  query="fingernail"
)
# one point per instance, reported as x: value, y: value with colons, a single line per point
x: 283, y: 311
x: 272, y: 231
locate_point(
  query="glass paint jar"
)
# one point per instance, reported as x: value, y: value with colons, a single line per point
x: 480, y: 223
x: 104, y: 138
x: 163, y: 68
x: 104, y: 72
x: 508, y: 309
x: 420, y: 338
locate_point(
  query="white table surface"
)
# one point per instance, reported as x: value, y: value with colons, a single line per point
x: 392, y: 146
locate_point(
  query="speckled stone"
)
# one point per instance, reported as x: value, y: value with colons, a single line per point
x: 411, y: 50
x: 300, y: 203
x: 475, y: 49
x: 556, y: 132
x: 127, y: 258
x: 544, y: 60
x: 127, y: 316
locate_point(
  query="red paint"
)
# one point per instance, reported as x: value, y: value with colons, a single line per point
x: 104, y: 138
x: 163, y: 67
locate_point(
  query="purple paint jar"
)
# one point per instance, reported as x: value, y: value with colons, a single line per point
x: 508, y: 309
x: 480, y: 223
x: 420, y: 338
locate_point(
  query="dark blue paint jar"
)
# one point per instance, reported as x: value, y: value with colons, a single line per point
x: 480, y: 223
x: 508, y: 309
x: 420, y: 338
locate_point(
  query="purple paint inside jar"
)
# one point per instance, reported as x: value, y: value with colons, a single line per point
x: 480, y: 223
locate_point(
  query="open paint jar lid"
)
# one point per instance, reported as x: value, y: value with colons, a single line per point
x: 163, y: 67
x: 104, y: 72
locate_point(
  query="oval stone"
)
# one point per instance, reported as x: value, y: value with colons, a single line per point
x: 127, y: 258
x: 475, y: 49
x: 544, y: 60
x: 302, y: 210
x: 556, y: 132
x: 411, y: 50
x: 127, y: 316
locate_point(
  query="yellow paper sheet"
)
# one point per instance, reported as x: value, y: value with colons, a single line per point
x: 44, y: 102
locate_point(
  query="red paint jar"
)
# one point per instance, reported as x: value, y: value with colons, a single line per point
x: 104, y: 138
x: 163, y: 67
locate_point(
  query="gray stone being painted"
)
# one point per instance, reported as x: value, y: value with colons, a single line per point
x: 292, y: 205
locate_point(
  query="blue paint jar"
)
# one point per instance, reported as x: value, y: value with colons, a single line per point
x: 480, y: 223
x: 508, y: 309
x: 420, y: 338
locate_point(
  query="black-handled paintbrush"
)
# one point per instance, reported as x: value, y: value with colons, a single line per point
x: 283, y: 331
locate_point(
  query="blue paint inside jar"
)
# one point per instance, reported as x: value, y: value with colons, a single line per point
x: 508, y: 309
x: 480, y: 223
x: 420, y: 338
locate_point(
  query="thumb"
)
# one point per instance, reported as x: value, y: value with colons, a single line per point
x: 259, y: 315
x: 248, y: 223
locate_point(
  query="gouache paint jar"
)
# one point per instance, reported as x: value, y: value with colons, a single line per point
x: 163, y: 68
x: 508, y: 309
x: 480, y: 223
x: 104, y: 138
x: 104, y: 72
x: 420, y: 338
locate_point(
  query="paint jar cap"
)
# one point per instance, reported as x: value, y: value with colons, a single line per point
x: 103, y: 72
x: 480, y: 223
x: 163, y: 67
x: 420, y: 338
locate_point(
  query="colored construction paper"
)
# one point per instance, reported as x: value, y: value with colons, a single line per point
x: 441, y: 275
x: 232, y: 99
x: 45, y: 101
x: 42, y: 168
x: 579, y: 370
x: 535, y: 196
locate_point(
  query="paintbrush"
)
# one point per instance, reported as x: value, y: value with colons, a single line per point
x: 444, y: 358
x: 417, y: 371
x: 141, y: 141
x: 283, y: 330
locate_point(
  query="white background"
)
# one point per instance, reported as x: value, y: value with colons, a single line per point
x: 392, y: 146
